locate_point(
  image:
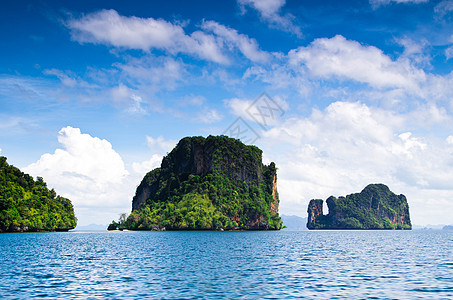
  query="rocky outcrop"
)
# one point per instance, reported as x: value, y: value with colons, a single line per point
x: 376, y: 207
x: 218, y: 179
x: 112, y: 227
x: 314, y: 212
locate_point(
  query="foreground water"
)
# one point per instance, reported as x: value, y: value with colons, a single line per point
x: 193, y: 265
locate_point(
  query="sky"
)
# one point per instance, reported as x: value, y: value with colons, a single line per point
x: 339, y: 94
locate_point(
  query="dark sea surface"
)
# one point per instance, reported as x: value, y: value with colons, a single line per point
x: 233, y: 265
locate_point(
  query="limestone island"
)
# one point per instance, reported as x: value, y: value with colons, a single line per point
x: 27, y: 205
x: 213, y: 183
x: 376, y: 207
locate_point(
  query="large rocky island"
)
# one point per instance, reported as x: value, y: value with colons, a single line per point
x: 376, y: 207
x: 27, y: 205
x: 213, y: 183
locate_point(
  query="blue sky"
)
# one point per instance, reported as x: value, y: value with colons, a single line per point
x: 92, y: 95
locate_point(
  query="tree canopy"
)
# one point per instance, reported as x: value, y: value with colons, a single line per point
x: 28, y: 205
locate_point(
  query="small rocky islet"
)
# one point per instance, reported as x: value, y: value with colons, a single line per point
x: 375, y: 207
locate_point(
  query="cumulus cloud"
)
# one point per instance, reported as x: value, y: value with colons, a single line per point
x: 86, y: 169
x: 109, y: 28
x: 159, y: 147
x: 249, y: 47
x: 269, y: 11
x: 147, y: 165
x: 346, y: 146
x: 340, y: 58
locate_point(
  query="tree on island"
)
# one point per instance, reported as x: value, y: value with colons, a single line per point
x: 120, y: 224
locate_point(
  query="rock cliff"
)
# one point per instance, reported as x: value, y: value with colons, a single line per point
x: 208, y: 183
x: 376, y: 207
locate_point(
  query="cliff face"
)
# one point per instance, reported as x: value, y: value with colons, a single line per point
x: 376, y: 207
x: 314, y: 212
x: 208, y: 183
x: 27, y: 205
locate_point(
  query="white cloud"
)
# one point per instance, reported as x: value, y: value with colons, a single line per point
x: 65, y: 78
x: 340, y: 58
x: 429, y: 115
x: 109, y: 28
x: 449, y: 52
x: 249, y: 47
x: 239, y: 107
x: 209, y: 115
x: 341, y: 149
x: 443, y: 8
x: 25, y: 88
x: 450, y: 140
x: 266, y: 112
x: 69, y: 79
x: 415, y: 51
x: 87, y: 170
x: 160, y: 145
x: 148, y: 75
x: 136, y: 107
x: 124, y: 96
x: 377, y: 3
x: 148, y: 165
x: 407, y: 146
x: 270, y: 12
x: 192, y: 100
x: 265, y: 7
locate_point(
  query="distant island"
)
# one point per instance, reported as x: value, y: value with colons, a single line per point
x: 213, y: 183
x: 294, y: 223
x: 29, y: 206
x: 376, y: 207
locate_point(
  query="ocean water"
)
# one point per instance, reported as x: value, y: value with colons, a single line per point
x: 230, y: 265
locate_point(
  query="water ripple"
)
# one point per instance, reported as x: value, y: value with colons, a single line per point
x: 232, y: 265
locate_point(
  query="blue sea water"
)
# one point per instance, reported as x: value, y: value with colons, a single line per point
x: 230, y: 265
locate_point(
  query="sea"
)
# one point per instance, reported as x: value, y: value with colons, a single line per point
x: 413, y: 264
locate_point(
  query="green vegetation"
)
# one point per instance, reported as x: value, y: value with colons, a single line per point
x: 207, y: 184
x: 28, y: 205
x: 118, y: 225
x: 376, y: 207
